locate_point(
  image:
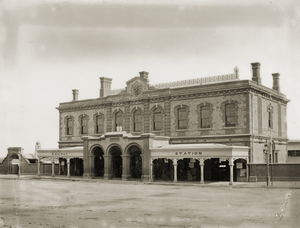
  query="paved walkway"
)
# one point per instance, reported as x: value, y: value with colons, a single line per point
x: 276, y: 184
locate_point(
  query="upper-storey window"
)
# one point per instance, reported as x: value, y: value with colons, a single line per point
x: 99, y: 124
x: 205, y: 116
x: 137, y: 121
x: 69, y: 126
x: 118, y: 121
x: 182, y: 118
x: 230, y: 115
x: 294, y: 153
x: 83, y: 125
x: 270, y: 117
x: 157, y: 119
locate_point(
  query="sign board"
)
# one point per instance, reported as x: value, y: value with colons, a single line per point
x: 239, y: 165
x: 115, y: 139
x: 188, y: 153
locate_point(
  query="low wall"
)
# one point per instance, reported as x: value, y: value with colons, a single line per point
x: 279, y: 172
x: 47, y: 169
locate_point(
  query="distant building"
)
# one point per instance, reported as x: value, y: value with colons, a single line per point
x: 18, y: 162
x: 293, y: 148
x: 203, y: 129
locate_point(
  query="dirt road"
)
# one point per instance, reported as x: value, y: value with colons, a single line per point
x: 53, y: 203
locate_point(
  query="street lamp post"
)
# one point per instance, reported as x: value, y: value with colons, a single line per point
x: 272, y: 158
x: 267, y: 152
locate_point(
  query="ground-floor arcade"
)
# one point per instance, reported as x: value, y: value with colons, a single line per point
x: 70, y: 161
x: 200, y: 162
x: 116, y: 160
x: 118, y: 155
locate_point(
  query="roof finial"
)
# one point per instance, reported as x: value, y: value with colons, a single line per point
x: 236, y: 71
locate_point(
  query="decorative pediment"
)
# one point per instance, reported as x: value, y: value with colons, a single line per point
x: 137, y: 85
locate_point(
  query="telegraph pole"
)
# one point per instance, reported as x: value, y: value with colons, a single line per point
x: 268, y: 168
x: 272, y: 158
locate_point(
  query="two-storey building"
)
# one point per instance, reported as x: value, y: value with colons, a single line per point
x: 203, y: 129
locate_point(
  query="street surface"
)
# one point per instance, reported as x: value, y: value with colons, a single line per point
x: 58, y: 203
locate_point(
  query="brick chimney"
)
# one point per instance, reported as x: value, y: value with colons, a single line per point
x: 256, y: 72
x: 276, y: 85
x: 105, y: 86
x: 144, y: 74
x: 75, y: 94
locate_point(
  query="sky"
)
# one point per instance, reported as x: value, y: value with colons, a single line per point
x: 48, y: 48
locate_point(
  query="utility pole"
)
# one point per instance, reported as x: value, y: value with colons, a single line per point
x: 267, y: 152
x: 272, y: 158
x: 268, y: 168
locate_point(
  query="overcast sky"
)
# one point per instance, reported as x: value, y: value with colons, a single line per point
x: 50, y: 47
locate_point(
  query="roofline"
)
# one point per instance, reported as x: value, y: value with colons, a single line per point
x: 236, y: 84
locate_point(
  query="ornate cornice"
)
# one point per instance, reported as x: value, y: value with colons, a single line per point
x: 246, y: 87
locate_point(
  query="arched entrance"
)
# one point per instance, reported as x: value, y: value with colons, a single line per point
x: 163, y: 169
x: 116, y: 162
x: 63, y: 166
x: 188, y: 170
x: 135, y: 165
x: 98, y: 162
x: 13, y: 167
x: 76, y: 167
x: 216, y: 169
x: 240, y: 170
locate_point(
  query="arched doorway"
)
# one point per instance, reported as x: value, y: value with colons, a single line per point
x: 116, y: 162
x: 13, y: 167
x: 163, y: 169
x: 98, y: 162
x: 240, y: 170
x: 216, y: 169
x: 135, y: 165
x: 63, y: 166
x: 188, y: 170
x: 76, y: 167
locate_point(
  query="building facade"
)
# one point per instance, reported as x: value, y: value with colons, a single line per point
x: 131, y: 132
x: 293, y: 149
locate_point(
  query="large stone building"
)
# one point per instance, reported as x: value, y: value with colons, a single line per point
x: 202, y: 129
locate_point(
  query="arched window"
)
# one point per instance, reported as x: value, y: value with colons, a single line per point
x: 157, y: 119
x: 137, y: 121
x: 230, y: 115
x: 270, y: 118
x: 99, y: 124
x: 205, y: 117
x: 182, y: 118
x: 118, y: 121
x: 83, y: 125
x: 69, y: 126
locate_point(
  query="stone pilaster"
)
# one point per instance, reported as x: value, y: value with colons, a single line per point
x: 107, y: 167
x: 125, y: 167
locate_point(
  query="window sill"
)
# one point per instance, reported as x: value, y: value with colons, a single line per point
x: 181, y: 130
x: 205, y: 129
x: 229, y: 127
x: 157, y: 131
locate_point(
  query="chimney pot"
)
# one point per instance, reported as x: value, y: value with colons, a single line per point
x: 144, y: 74
x: 75, y: 94
x: 105, y: 86
x: 276, y: 85
x: 256, y: 72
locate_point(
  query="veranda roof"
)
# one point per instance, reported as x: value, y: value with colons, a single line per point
x: 200, y: 150
x: 61, y: 153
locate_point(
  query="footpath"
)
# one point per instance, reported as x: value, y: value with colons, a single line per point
x: 275, y: 184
